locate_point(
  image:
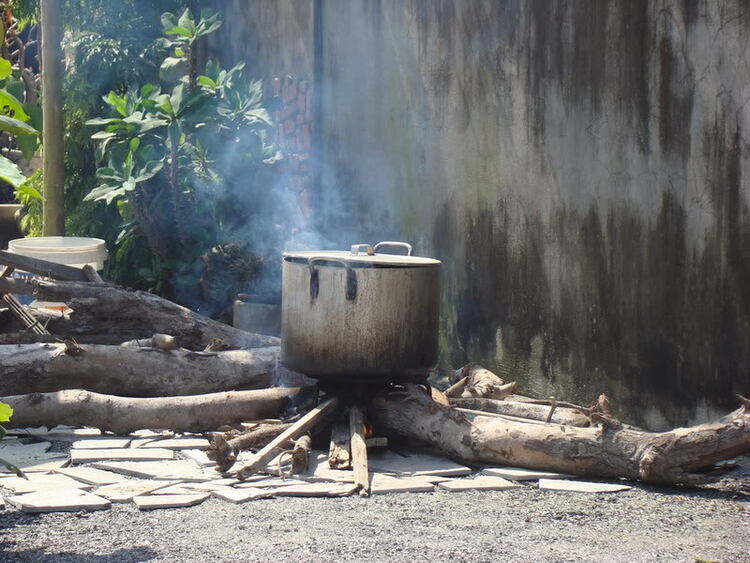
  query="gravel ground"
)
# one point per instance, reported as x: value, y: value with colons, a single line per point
x: 644, y: 524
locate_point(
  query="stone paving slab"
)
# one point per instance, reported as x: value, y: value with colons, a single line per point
x: 68, y: 500
x: 520, y: 474
x: 316, y: 490
x: 385, y: 484
x: 199, y: 457
x: 122, y: 454
x: 126, y: 490
x: 581, y: 486
x: 388, y: 461
x: 152, y: 502
x: 181, y: 469
x: 238, y: 496
x: 61, y: 433
x: 187, y: 443
x: 103, y: 443
x: 92, y: 475
x: 479, y: 483
x: 52, y: 464
x: 271, y: 482
x: 41, y: 482
x: 218, y: 484
x: 24, y: 455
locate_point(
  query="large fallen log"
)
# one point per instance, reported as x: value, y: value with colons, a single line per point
x: 101, y: 308
x: 145, y: 372
x: 560, y: 415
x: 683, y: 455
x: 195, y: 413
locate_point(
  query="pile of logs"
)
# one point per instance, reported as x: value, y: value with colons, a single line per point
x: 124, y: 360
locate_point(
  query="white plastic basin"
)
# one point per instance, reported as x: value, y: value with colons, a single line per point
x: 73, y: 251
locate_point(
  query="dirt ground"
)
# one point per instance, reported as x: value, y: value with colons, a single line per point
x: 648, y: 523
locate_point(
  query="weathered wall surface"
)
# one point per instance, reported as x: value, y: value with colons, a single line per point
x: 580, y: 166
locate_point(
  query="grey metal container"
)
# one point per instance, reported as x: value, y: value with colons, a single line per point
x: 360, y: 315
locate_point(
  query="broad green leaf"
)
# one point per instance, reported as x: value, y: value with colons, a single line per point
x: 99, y: 135
x: 119, y: 103
x: 6, y: 411
x: 168, y: 20
x: 11, y: 174
x: 175, y: 132
x: 15, y: 126
x: 6, y: 68
x: 206, y: 81
x: 186, y: 20
x: 28, y: 145
x: 11, y: 107
x: 34, y: 111
x: 135, y: 142
x: 178, y: 30
x: 103, y: 121
x: 172, y: 67
x: 29, y: 191
x: 150, y: 170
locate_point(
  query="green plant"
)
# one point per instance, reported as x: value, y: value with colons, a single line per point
x: 5, y: 413
x: 173, y: 152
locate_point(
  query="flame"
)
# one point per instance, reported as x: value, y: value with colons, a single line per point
x: 369, y: 431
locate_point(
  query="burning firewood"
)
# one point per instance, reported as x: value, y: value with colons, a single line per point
x: 225, y: 447
x: 475, y: 381
x: 610, y: 449
x: 194, y: 413
x: 359, y: 451
x: 37, y: 368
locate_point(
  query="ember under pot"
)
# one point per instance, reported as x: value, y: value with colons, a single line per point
x: 361, y: 314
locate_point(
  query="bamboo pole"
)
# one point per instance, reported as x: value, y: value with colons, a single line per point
x: 53, y: 214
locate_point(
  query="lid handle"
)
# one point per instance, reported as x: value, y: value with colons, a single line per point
x: 405, y: 245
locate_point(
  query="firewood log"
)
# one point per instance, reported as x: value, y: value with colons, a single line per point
x: 683, y: 455
x: 101, y: 308
x: 224, y: 447
x: 475, y: 381
x: 194, y: 413
x: 560, y: 415
x: 146, y: 372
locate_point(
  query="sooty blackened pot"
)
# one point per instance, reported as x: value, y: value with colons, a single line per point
x: 360, y: 314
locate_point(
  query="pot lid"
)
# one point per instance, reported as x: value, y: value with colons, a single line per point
x: 361, y: 259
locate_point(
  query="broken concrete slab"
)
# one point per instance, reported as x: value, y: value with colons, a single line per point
x: 41, y: 482
x: 199, y: 457
x: 53, y: 464
x: 581, y: 486
x: 68, y: 500
x: 91, y: 475
x: 520, y: 474
x: 316, y: 490
x: 216, y: 485
x: 182, y: 469
x: 271, y: 482
x: 123, y: 454
x: 385, y: 484
x: 479, y: 483
x: 238, y: 496
x: 60, y: 432
x: 126, y: 490
x: 102, y: 443
x: 388, y: 461
x: 187, y: 443
x: 152, y: 502
x: 24, y: 455
x: 178, y: 489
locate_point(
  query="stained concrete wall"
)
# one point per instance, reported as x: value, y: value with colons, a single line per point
x: 580, y: 166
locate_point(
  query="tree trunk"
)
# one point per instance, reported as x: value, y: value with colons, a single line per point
x: 146, y: 372
x: 683, y: 455
x: 122, y: 415
x: 105, y: 309
x: 560, y: 415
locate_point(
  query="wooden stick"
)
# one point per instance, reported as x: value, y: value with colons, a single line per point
x: 224, y: 448
x: 299, y: 428
x: 42, y: 267
x: 301, y: 454
x: 455, y: 389
x: 91, y: 274
x: 340, y: 453
x: 359, y: 451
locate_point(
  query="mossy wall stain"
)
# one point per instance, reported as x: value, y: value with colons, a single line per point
x: 581, y: 168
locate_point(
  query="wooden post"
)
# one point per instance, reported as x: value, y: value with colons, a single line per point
x: 359, y: 451
x: 52, y: 134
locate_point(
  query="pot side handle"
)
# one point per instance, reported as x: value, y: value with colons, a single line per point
x: 351, y: 277
x: 404, y: 245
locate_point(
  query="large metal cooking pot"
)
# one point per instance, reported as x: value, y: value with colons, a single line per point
x: 361, y: 314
